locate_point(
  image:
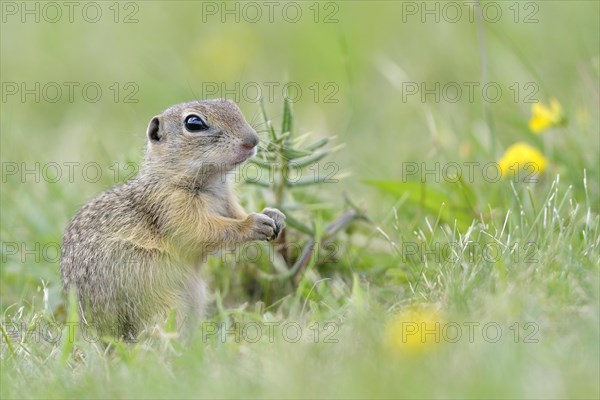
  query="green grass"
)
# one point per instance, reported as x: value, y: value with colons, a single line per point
x: 553, y: 288
x: 477, y: 254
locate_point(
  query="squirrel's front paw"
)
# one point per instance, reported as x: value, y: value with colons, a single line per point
x: 278, y: 217
x: 262, y: 226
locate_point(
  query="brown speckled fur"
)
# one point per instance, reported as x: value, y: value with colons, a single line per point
x: 133, y: 253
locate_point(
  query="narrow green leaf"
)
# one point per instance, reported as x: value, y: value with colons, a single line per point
x: 286, y: 124
x: 317, y: 145
x: 282, y: 136
x: 266, y: 120
x: 297, y: 225
x: 307, y: 181
x: 71, y: 327
x: 291, y: 153
x: 7, y: 340
x: 268, y: 165
x: 303, y: 162
x: 467, y: 191
x: 170, y: 323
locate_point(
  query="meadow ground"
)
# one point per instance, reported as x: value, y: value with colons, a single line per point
x: 466, y: 140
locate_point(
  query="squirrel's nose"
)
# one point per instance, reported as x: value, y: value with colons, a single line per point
x: 250, y: 141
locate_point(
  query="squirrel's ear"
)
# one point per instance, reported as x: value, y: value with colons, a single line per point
x: 154, y: 133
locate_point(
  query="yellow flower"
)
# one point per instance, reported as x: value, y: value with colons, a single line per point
x: 413, y: 330
x: 543, y: 117
x: 521, y: 156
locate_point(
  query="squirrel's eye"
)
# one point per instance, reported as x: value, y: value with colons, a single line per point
x: 194, y: 123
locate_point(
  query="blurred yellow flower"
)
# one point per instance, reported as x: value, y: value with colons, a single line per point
x: 543, y: 117
x: 413, y: 330
x: 521, y: 156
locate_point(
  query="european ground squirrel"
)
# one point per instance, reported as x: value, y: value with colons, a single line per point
x: 133, y: 253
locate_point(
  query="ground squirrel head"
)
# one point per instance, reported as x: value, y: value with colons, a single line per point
x: 198, y: 139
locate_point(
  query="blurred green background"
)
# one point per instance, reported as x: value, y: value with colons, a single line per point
x: 351, y: 60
